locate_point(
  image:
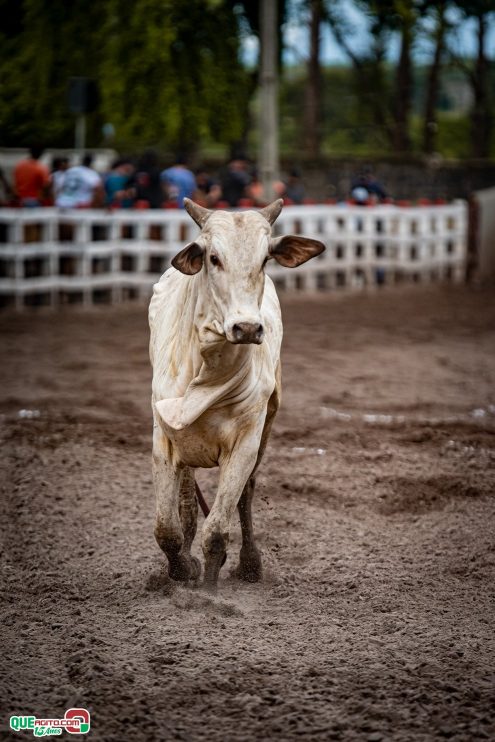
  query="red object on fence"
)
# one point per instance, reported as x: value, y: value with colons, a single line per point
x: 424, y: 202
x: 222, y: 205
x: 245, y: 203
x: 403, y: 203
x: 142, y: 204
x: 170, y: 205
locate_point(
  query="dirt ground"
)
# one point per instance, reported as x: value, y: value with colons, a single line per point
x: 375, y: 516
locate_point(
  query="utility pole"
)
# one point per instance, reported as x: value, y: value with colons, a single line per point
x: 80, y: 134
x: 268, y: 133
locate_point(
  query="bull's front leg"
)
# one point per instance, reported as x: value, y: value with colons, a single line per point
x: 235, y: 470
x: 169, y: 480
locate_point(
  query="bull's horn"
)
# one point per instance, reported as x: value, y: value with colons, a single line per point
x: 197, y: 212
x: 272, y: 211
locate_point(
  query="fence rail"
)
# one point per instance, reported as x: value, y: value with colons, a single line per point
x: 53, y: 257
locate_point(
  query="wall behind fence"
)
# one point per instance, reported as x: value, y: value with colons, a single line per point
x: 49, y: 257
x: 401, y: 179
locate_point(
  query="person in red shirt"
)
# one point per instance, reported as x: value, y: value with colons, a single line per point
x: 31, y: 179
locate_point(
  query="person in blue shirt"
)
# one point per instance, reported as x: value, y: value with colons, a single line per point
x: 179, y: 181
x: 119, y: 189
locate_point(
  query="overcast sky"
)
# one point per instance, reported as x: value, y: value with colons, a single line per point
x: 296, y: 37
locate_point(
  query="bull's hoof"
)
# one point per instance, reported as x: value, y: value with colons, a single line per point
x: 249, y: 568
x: 184, y: 568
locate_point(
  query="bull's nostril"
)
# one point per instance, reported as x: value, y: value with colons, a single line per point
x: 247, y: 332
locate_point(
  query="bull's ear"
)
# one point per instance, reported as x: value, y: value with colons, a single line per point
x: 292, y: 250
x: 190, y: 259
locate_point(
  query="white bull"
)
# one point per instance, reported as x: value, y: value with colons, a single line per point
x: 216, y: 331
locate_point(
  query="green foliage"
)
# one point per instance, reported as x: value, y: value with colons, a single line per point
x: 453, y: 135
x: 347, y: 123
x: 348, y: 126
x: 167, y: 75
x: 48, y: 44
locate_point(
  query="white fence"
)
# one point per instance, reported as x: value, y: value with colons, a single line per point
x: 53, y: 257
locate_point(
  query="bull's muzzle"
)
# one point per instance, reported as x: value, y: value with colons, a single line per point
x: 243, y: 333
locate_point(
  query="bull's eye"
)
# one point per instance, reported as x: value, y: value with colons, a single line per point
x: 214, y: 260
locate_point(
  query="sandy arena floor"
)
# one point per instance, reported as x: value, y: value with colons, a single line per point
x: 375, y: 515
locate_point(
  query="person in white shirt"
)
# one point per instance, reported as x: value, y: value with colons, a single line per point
x: 82, y: 187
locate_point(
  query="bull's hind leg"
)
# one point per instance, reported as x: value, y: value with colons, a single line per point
x: 188, y: 511
x: 169, y: 482
x: 249, y: 567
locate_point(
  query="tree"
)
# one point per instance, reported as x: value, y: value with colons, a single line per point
x: 168, y: 72
x: 404, y: 21
x: 169, y: 76
x: 388, y: 99
x: 439, y: 11
x: 478, y: 75
x: 42, y: 46
x: 312, y: 111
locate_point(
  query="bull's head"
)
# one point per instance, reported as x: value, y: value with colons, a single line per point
x: 232, y: 250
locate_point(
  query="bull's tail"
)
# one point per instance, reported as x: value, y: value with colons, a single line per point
x: 202, y: 502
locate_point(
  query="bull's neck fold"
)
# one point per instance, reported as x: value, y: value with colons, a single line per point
x: 227, y: 373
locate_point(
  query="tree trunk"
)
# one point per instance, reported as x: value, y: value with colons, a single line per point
x: 481, y: 117
x: 430, y: 120
x: 268, y: 147
x: 312, y: 118
x: 401, y: 139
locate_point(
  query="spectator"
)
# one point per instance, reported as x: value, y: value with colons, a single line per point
x: 119, y: 185
x: 365, y: 188
x: 256, y: 192
x: 31, y: 179
x: 294, y: 188
x: 149, y: 190
x: 60, y: 165
x: 235, y: 181
x: 82, y: 187
x: 208, y: 191
x: 6, y: 192
x: 179, y: 182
